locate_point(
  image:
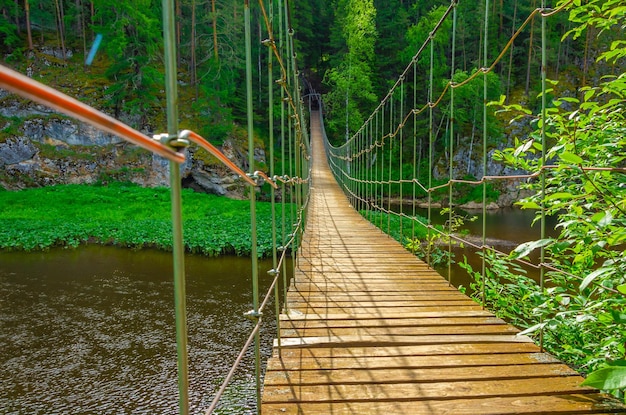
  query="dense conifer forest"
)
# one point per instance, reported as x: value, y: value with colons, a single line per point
x: 344, y: 47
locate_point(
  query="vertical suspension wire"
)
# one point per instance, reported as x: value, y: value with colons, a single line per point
x: 270, y: 87
x: 382, y: 163
x: 431, y: 144
x: 253, y: 226
x: 291, y: 150
x: 357, y: 171
x: 451, y: 145
x: 484, y: 184
x: 368, y: 169
x: 178, y: 248
x: 360, y: 177
x: 298, y: 144
x: 544, y: 150
x: 283, y: 156
x: 389, y: 175
x: 400, y: 175
x: 415, y: 168
x: 375, y: 163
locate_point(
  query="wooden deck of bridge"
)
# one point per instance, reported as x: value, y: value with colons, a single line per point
x: 370, y: 329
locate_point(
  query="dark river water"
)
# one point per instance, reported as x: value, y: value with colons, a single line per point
x: 505, y: 229
x: 91, y: 331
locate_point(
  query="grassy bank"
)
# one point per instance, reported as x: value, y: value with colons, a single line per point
x: 127, y: 215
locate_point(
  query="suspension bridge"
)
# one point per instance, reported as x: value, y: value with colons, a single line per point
x: 370, y: 329
x: 364, y: 327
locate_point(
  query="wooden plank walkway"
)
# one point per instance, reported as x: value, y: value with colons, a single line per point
x: 373, y: 330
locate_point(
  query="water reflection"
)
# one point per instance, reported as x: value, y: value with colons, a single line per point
x: 505, y: 229
x: 91, y: 331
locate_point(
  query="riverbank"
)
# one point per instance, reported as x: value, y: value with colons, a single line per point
x: 128, y: 215
x: 424, y: 204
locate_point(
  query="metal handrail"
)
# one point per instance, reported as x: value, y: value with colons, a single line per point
x: 29, y: 88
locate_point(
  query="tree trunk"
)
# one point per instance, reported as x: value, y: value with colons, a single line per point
x: 193, y: 45
x: 214, y: 14
x: 508, y: 78
x: 530, y: 53
x: 28, y: 31
x: 60, y: 26
x: 17, y: 17
x: 41, y: 27
x: 81, y: 25
x: 586, y: 56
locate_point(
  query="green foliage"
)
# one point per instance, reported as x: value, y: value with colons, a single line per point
x: 612, y: 376
x: 579, y: 310
x: 8, y: 34
x: 417, y: 34
x: 398, y: 228
x: 127, y: 215
x: 474, y: 193
x: 468, y: 104
x: 132, y: 38
x: 351, y: 93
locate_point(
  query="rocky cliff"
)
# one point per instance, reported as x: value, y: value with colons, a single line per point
x: 39, y: 147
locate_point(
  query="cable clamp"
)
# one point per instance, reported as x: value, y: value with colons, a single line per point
x: 256, y: 176
x: 175, y: 141
x: 253, y: 315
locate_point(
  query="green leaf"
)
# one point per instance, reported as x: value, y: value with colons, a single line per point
x: 622, y: 288
x: 608, y: 378
x: 529, y: 205
x: 532, y: 329
x: 606, y: 220
x: 618, y: 317
x: 560, y: 195
x: 595, y: 274
x: 526, y: 248
x: 570, y: 158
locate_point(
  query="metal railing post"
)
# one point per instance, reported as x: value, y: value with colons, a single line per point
x: 178, y: 249
x: 254, y: 250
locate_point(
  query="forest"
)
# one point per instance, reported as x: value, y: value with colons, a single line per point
x: 350, y: 51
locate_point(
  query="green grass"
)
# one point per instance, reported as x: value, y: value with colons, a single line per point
x: 128, y: 215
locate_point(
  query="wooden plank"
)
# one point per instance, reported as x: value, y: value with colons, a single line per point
x: 294, y: 315
x: 296, y: 296
x: 367, y: 376
x: 555, y: 404
x: 390, y: 323
x: 424, y: 391
x: 391, y: 361
x: 417, y: 302
x: 385, y: 340
x: 397, y: 331
x: 412, y: 351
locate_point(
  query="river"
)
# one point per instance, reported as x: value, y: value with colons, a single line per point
x: 91, y: 331
x: 505, y: 229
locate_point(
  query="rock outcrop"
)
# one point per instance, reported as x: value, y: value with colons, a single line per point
x: 39, y: 147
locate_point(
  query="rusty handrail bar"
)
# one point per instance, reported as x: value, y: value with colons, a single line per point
x: 29, y: 88
x: 202, y: 142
